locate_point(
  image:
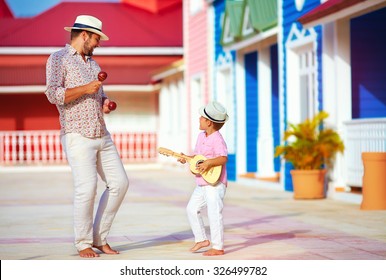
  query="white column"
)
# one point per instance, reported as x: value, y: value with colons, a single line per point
x: 338, y: 90
x: 164, y: 122
x: 265, y: 133
x: 183, y: 115
x: 241, y: 151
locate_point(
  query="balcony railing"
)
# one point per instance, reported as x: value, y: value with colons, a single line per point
x: 362, y: 135
x: 44, y: 147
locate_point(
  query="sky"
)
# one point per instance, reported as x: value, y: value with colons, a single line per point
x: 29, y: 8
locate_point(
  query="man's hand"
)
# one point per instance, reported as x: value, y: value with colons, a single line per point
x: 93, y: 87
x: 76, y: 92
x: 105, y: 106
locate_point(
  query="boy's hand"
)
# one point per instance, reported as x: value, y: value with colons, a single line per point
x: 209, y: 163
x: 182, y: 160
x: 204, y: 166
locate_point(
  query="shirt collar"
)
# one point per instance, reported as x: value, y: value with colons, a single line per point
x: 73, y: 51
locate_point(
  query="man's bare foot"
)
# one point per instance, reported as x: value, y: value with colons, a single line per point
x: 213, y: 252
x: 200, y: 245
x: 88, y: 253
x: 106, y: 249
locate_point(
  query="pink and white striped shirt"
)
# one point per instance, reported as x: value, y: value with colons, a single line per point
x: 67, y: 69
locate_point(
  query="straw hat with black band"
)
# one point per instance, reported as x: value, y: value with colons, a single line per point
x: 88, y: 23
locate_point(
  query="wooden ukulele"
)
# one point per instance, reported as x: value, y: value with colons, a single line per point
x: 211, y: 176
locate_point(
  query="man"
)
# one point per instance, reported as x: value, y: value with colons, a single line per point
x: 72, y: 85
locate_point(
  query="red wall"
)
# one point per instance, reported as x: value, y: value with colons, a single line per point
x: 27, y: 112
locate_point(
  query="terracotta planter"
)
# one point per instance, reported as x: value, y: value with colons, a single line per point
x: 374, y: 181
x: 309, y: 184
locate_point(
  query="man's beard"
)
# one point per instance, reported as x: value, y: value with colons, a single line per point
x: 88, y: 51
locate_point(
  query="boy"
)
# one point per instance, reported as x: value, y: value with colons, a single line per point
x: 211, y: 145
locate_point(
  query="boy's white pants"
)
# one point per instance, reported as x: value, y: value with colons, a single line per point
x: 87, y: 158
x: 212, y: 198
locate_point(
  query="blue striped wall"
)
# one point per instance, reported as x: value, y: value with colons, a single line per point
x: 275, y: 103
x: 251, y: 105
x: 368, y: 62
x: 319, y: 55
x: 219, y: 10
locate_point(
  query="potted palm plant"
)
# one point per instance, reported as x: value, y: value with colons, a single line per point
x: 311, y: 148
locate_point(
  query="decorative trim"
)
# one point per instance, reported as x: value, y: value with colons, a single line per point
x: 298, y: 37
x: 226, y: 36
x: 299, y: 4
x: 247, y: 28
x: 224, y: 60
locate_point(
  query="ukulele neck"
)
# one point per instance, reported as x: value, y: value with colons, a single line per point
x: 176, y: 155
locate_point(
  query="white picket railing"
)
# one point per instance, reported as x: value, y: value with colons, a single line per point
x: 362, y: 135
x: 44, y: 147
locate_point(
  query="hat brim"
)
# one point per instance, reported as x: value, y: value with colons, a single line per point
x: 103, y: 36
x: 202, y: 113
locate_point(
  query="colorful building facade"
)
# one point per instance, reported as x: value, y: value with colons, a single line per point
x: 270, y: 62
x: 140, y: 43
x: 277, y: 62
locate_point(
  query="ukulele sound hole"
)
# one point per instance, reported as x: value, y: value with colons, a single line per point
x: 198, y: 162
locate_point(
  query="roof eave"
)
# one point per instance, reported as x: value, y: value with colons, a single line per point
x: 33, y: 89
x: 310, y: 19
x: 108, y: 51
x: 259, y: 38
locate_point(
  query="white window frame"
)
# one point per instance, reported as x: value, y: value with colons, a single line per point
x: 301, y: 44
x: 307, y: 70
x: 226, y: 96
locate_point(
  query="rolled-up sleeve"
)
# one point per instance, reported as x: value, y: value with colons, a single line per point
x: 55, y: 91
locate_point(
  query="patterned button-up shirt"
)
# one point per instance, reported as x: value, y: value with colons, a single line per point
x: 67, y: 69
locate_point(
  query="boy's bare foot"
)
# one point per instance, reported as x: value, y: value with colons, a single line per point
x: 213, y: 252
x: 88, y: 253
x: 200, y: 245
x: 106, y: 249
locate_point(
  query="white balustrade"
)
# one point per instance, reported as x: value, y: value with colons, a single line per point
x: 362, y: 135
x: 35, y: 148
x: 44, y: 147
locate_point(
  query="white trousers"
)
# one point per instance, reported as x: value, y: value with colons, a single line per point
x: 87, y: 158
x: 212, y: 198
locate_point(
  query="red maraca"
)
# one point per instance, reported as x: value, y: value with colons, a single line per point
x: 101, y: 77
x: 112, y: 105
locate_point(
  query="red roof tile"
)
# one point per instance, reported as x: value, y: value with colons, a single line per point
x: 5, y: 12
x: 8, y: 25
x: 154, y: 6
x: 127, y: 26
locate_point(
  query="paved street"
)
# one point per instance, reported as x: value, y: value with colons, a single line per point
x: 261, y: 224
